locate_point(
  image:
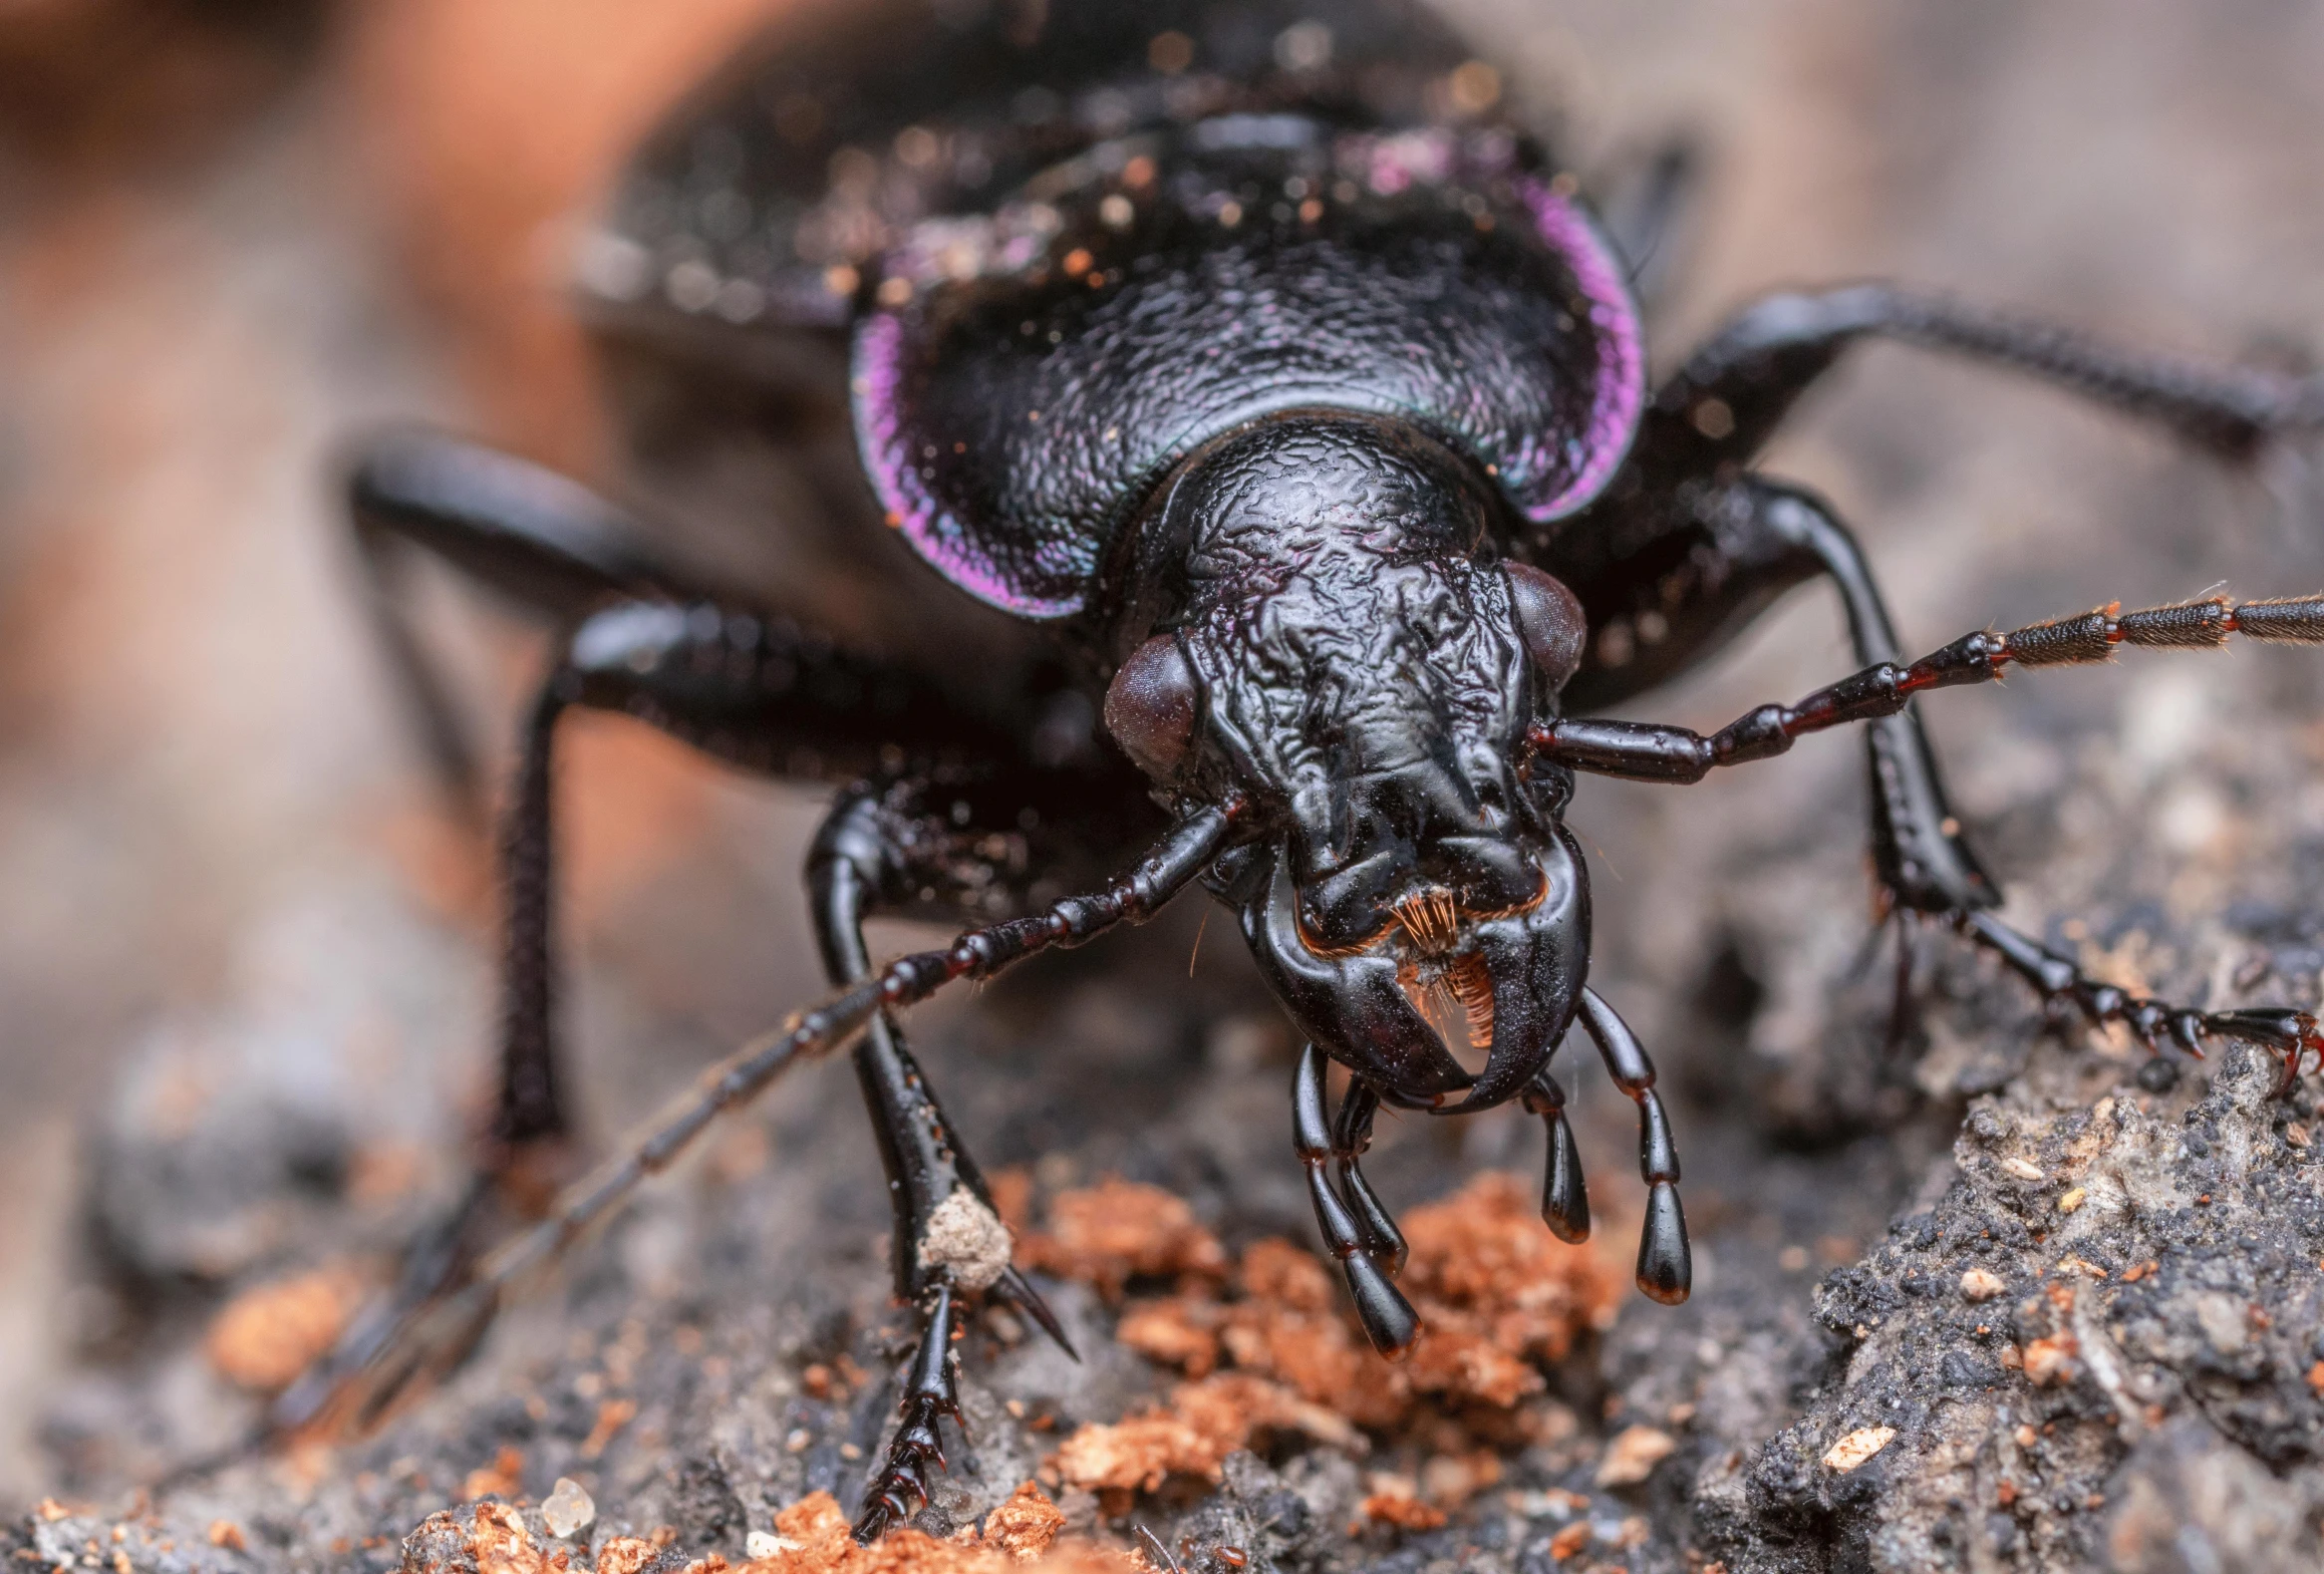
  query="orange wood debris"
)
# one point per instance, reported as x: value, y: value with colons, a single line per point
x: 270, y: 1333
x: 1107, y: 1234
x: 1021, y: 1530
x: 1402, y: 1510
x: 1274, y: 1348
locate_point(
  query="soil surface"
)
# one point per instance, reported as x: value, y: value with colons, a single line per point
x: 1973, y: 1290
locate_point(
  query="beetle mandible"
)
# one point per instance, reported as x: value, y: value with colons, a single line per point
x: 1257, y: 464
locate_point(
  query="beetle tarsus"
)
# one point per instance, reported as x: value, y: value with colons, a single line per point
x: 929, y: 1397
x: 2289, y: 1035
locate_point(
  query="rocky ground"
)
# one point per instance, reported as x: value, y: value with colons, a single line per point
x: 1991, y: 1294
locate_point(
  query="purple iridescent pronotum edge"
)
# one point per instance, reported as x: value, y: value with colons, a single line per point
x: 951, y: 544
x: 1621, y: 358
x: 934, y: 532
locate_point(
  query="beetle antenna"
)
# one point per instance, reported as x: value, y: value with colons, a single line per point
x: 1644, y: 752
x: 441, y: 1334
x: 1650, y: 752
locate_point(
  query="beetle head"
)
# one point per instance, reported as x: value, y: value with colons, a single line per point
x: 1350, y: 657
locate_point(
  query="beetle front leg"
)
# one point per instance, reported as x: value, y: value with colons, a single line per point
x: 1655, y: 753
x: 949, y: 1239
x: 884, y: 846
x: 1709, y: 557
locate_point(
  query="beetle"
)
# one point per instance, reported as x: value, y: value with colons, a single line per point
x: 1250, y: 456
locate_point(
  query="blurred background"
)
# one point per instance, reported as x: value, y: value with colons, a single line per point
x: 235, y: 234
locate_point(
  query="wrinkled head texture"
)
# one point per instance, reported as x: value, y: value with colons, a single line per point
x: 1353, y: 657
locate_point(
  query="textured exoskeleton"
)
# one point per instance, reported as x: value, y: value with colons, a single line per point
x: 1219, y: 428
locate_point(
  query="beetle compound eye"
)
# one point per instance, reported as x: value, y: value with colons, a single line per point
x: 1549, y: 620
x: 1150, y: 707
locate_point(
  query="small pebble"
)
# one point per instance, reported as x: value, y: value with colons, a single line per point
x: 1858, y: 1447
x: 567, y: 1509
x: 2049, y: 1360
x: 2072, y: 1199
x: 1632, y: 1455
x: 1978, y: 1284
x: 2022, y: 1170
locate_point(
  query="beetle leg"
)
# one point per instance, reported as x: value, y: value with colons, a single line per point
x: 929, y: 1395
x: 2289, y: 1034
x: 1654, y: 753
x: 1665, y: 1264
x: 1388, y: 1319
x: 1732, y: 393
x: 1709, y: 559
x: 434, y: 1338
x: 1901, y: 1015
x: 525, y: 1146
x: 948, y: 1237
x: 535, y: 536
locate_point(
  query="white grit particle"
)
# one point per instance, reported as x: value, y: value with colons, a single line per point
x: 967, y: 1238
x: 567, y: 1510
x: 1858, y: 1447
x: 1978, y: 1284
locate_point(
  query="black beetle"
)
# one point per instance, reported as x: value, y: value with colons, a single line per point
x: 1252, y: 383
